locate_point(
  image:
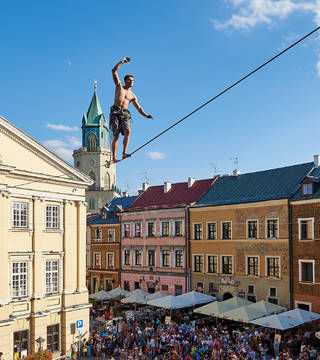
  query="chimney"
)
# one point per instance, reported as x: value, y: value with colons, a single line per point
x: 125, y: 194
x: 166, y: 187
x: 191, y: 181
x: 145, y: 186
x: 316, y: 160
x: 236, y: 172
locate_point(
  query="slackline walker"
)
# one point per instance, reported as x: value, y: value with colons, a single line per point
x: 209, y: 101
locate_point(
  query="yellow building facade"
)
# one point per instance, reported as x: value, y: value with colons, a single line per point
x: 43, y: 247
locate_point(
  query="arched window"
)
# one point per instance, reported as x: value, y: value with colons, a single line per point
x: 107, y: 181
x: 92, y: 142
x: 93, y: 177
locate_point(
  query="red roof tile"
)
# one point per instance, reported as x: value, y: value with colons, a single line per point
x: 179, y: 195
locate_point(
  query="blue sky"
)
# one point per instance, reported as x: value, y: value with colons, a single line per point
x: 183, y: 53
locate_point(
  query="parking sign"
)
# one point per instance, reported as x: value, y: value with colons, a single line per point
x: 79, y: 324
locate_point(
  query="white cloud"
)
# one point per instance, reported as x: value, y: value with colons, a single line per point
x: 61, y: 127
x: 63, y: 148
x: 155, y: 155
x: 249, y: 13
x: 318, y: 68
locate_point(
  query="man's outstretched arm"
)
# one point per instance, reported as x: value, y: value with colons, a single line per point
x: 139, y: 108
x: 116, y: 68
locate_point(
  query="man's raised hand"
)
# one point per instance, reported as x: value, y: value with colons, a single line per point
x: 126, y: 59
x: 149, y: 117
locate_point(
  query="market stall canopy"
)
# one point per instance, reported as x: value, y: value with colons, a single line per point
x: 217, y: 308
x: 140, y: 292
x: 196, y: 298
x: 302, y: 315
x: 137, y: 298
x: 242, y: 314
x: 100, y: 295
x: 278, y: 321
x: 117, y: 292
x: 169, y: 302
x: 267, y: 308
x: 156, y: 295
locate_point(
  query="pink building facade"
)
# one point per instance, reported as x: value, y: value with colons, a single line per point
x: 154, y: 238
x: 154, y: 251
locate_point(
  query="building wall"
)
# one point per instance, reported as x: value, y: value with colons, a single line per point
x: 102, y: 245
x: 163, y: 278
x: 33, y: 176
x: 306, y: 292
x: 240, y: 247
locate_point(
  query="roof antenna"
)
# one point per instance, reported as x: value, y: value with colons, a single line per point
x: 214, y: 166
x: 145, y: 177
x: 236, y: 171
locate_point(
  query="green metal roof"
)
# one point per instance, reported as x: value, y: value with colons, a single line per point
x: 280, y: 183
x: 94, y: 112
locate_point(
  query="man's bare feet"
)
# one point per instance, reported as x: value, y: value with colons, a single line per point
x: 124, y: 155
x: 115, y: 160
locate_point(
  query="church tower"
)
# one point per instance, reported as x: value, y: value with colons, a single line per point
x: 94, y: 154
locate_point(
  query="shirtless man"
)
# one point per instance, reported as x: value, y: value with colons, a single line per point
x: 120, y: 117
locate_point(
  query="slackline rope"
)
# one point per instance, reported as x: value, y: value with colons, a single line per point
x: 224, y: 91
x: 197, y: 109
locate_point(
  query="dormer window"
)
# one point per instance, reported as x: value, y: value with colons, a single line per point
x: 307, y: 189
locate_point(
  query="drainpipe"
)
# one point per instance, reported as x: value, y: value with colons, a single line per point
x: 187, y: 242
x: 290, y: 255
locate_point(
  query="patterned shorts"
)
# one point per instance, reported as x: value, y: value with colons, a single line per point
x: 120, y: 120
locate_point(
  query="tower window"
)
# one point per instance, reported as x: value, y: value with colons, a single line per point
x: 92, y: 143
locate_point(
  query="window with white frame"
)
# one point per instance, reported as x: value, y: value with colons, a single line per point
x: 306, y: 271
x: 98, y: 234
x: 273, y: 267
x: 52, y: 217
x: 19, y: 279
x: 151, y: 257
x: 272, y: 228
x: 178, y: 228
x: 306, y: 229
x: 126, y: 257
x: 52, y: 277
x: 198, y: 263
x: 165, y: 257
x: 197, y: 231
x: 137, y: 229
x: 97, y: 259
x: 111, y: 235
x: 178, y: 258
x: 252, y: 228
x: 253, y: 265
x: 165, y: 228
x: 211, y: 231
x: 226, y: 230
x: 226, y: 264
x: 151, y: 229
x: 212, y: 264
x: 126, y: 230
x: 138, y: 257
x: 110, y: 260
x: 19, y: 214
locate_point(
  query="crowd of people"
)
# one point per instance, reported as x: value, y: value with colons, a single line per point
x: 152, y: 335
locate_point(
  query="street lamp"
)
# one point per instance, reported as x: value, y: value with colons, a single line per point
x: 39, y: 341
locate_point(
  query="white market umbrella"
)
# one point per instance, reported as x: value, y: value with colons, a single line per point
x: 278, y: 321
x: 136, y: 298
x: 196, y: 298
x: 168, y: 302
x: 156, y: 295
x: 267, y: 308
x: 100, y: 295
x: 140, y: 292
x: 302, y: 315
x: 218, y: 308
x: 243, y: 314
x: 117, y: 292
